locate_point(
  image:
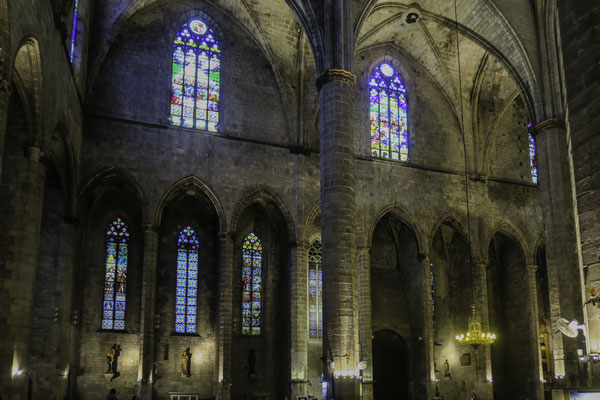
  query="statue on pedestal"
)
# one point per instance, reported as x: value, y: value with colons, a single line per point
x: 185, y: 362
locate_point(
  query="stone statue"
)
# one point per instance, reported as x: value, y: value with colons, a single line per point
x: 447, y: 369
x: 185, y: 362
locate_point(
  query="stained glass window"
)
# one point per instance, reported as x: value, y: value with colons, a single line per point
x: 389, y: 121
x: 115, y: 276
x: 251, y: 285
x: 74, y: 30
x: 532, y: 157
x: 315, y: 284
x: 195, y: 83
x: 186, y: 299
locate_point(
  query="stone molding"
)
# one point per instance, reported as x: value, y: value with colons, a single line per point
x: 5, y: 86
x: 146, y: 228
x: 340, y: 75
x: 531, y: 267
x: 552, y: 123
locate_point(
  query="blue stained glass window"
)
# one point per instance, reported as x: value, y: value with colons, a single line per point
x: 74, y: 30
x: 315, y: 285
x: 196, y: 77
x: 251, y: 285
x: 532, y: 156
x: 389, y: 121
x: 115, y: 276
x: 186, y: 293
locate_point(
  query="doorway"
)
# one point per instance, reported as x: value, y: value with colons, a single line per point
x: 390, y: 366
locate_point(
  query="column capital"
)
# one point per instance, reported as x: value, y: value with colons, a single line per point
x: 5, y: 86
x: 531, y: 267
x: 333, y: 74
x: 552, y: 123
x: 480, y: 262
x: 225, y: 236
x: 147, y: 228
x: 301, y: 244
x: 364, y: 251
x: 34, y: 154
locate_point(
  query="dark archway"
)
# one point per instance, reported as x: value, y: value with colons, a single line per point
x: 390, y: 366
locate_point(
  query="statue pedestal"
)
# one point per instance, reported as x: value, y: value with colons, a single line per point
x: 109, y: 376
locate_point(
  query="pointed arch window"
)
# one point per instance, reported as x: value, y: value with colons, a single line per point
x: 115, y: 276
x: 388, y: 114
x: 315, y: 285
x: 251, y: 285
x: 196, y: 77
x: 186, y: 301
x: 532, y: 156
x: 74, y: 30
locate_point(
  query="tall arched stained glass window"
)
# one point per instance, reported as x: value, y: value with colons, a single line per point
x: 389, y: 122
x: 315, y: 284
x: 532, y: 156
x: 74, y: 30
x: 195, y: 83
x: 186, y: 301
x: 115, y: 276
x: 251, y: 285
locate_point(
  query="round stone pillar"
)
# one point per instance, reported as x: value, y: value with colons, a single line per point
x: 225, y: 315
x: 338, y: 221
x: 298, y: 319
x: 564, y: 279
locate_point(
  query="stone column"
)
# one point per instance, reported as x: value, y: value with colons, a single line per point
x: 537, y: 375
x: 5, y: 92
x: 428, y: 334
x: 225, y: 315
x: 147, y: 310
x: 484, y: 355
x: 561, y: 240
x: 338, y: 227
x: 21, y: 269
x: 298, y: 318
x: 365, y: 330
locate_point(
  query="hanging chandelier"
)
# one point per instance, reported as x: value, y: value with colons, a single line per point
x: 475, y: 336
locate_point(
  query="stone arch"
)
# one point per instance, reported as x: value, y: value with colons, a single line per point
x: 314, y: 213
x: 105, y: 179
x: 405, y: 217
x: 263, y: 193
x: 457, y: 222
x: 506, y: 227
x: 539, y: 243
x: 26, y: 73
x: 189, y: 185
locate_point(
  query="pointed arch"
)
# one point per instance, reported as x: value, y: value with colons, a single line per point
x: 262, y: 194
x: 457, y: 223
x: 27, y: 72
x: 312, y: 216
x: 509, y: 229
x: 404, y: 216
x: 106, y: 179
x: 189, y: 185
x: 196, y: 77
x: 186, y: 301
x: 115, y: 276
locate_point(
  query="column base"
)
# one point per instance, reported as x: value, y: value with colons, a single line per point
x: 298, y: 389
x: 346, y: 389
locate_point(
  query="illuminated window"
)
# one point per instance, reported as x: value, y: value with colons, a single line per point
x: 315, y: 284
x: 532, y: 157
x: 389, y: 129
x: 186, y: 300
x: 74, y: 30
x: 251, y: 285
x: 195, y: 83
x: 115, y: 276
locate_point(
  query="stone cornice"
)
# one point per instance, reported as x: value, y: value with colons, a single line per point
x: 340, y: 75
x: 552, y: 123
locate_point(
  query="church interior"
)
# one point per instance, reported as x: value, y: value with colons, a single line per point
x: 299, y: 199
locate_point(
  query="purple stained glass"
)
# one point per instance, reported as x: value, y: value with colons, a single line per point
x: 196, y: 77
x: 388, y: 114
x: 186, y: 291
x: 532, y: 156
x: 115, y: 276
x: 315, y: 283
x: 74, y: 30
x: 251, y: 285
